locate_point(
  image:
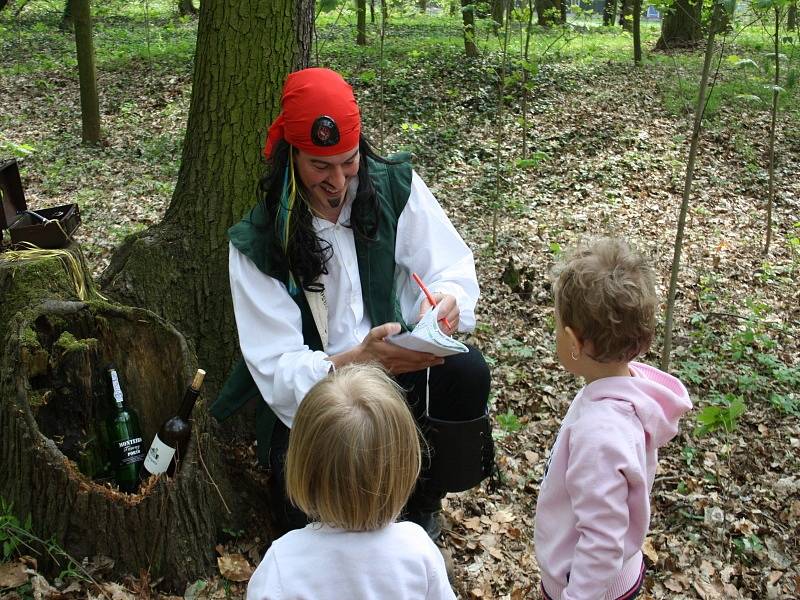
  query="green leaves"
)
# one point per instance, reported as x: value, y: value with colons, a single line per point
x: 724, y: 417
x: 16, y: 150
x: 750, y: 98
x: 534, y: 160
x: 12, y: 531
x: 743, y: 62
x: 785, y: 403
x: 509, y: 422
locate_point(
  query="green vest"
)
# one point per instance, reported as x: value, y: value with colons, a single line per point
x: 254, y: 235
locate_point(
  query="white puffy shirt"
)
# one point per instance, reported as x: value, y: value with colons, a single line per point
x: 318, y: 562
x: 269, y: 322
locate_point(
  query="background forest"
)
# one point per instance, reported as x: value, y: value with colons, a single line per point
x: 549, y: 133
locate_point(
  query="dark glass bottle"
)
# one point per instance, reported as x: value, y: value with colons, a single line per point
x: 125, y: 439
x: 169, y: 445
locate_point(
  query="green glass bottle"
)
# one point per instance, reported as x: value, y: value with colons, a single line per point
x: 126, y: 440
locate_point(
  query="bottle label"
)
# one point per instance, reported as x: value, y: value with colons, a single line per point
x: 159, y: 457
x: 130, y: 451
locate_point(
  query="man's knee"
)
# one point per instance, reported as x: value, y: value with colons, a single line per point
x: 471, y: 374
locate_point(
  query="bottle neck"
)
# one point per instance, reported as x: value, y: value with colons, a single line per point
x: 189, y: 398
x: 116, y: 389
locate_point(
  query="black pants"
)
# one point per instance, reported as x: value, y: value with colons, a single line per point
x: 459, y: 390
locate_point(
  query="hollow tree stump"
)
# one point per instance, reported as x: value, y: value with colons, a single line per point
x: 52, y: 396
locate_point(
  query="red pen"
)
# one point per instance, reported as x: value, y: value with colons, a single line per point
x: 429, y: 296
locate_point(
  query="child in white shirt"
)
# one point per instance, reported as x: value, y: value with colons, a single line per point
x: 354, y: 457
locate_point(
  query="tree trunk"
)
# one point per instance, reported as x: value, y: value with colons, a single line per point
x: 67, y: 23
x: 791, y: 19
x: 423, y: 6
x: 609, y: 12
x: 52, y: 402
x: 468, y: 16
x: 625, y: 13
x: 186, y: 8
x: 245, y: 48
x: 551, y: 12
x: 681, y: 25
x: 498, y: 13
x: 637, y: 32
x: 84, y: 45
x: 687, y: 186
x: 372, y: 11
x: 361, y: 28
x: 776, y: 41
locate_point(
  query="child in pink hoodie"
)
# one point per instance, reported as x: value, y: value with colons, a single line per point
x: 593, y: 510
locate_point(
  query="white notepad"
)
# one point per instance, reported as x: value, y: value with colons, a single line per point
x: 427, y: 337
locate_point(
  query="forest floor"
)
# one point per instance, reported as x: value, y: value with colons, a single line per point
x: 607, y: 152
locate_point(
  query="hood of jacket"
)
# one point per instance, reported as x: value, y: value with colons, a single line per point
x: 658, y: 398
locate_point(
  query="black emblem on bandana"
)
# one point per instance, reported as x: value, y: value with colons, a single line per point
x: 324, y: 132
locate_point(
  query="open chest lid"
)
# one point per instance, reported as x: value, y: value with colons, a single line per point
x: 11, y: 193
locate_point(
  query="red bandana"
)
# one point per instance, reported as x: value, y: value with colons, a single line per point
x: 319, y: 114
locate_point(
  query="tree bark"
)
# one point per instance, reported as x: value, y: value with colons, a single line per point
x: 186, y: 8
x: 245, y: 48
x: 776, y: 54
x: 609, y: 12
x: 468, y: 17
x: 550, y: 12
x: 361, y: 27
x: 67, y: 23
x: 791, y: 19
x: 498, y: 13
x: 625, y: 13
x: 422, y: 5
x: 84, y: 45
x: 681, y: 25
x: 52, y: 400
x: 637, y: 32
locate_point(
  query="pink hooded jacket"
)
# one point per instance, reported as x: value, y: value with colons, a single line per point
x: 593, y: 510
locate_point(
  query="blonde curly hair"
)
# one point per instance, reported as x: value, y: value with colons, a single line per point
x: 605, y: 292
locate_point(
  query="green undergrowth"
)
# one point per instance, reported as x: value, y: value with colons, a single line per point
x: 123, y: 33
x: 738, y: 359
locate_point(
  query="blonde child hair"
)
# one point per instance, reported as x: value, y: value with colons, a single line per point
x: 605, y: 291
x: 354, y: 450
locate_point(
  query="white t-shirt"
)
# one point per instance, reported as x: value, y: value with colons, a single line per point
x: 398, y: 562
x: 268, y: 320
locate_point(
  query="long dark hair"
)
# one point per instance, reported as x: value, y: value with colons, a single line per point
x: 306, y: 253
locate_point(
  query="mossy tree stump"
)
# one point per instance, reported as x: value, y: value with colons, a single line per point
x: 53, y: 394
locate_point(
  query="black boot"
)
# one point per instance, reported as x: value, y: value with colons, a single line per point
x: 430, y: 521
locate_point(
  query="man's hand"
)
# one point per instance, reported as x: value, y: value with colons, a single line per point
x: 395, y: 359
x: 448, y: 309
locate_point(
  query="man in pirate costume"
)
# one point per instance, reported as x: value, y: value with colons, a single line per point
x: 320, y: 274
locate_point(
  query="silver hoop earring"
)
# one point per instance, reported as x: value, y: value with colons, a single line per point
x: 572, y: 354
